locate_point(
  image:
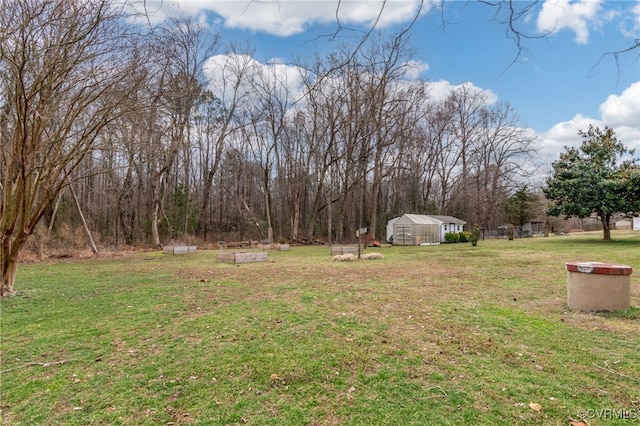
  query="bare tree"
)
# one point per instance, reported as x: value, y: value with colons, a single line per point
x: 390, y: 101
x: 62, y: 69
x: 501, y: 160
x: 182, y: 46
x: 468, y: 106
x: 208, y: 142
x: 228, y: 107
x: 271, y: 86
x: 447, y: 151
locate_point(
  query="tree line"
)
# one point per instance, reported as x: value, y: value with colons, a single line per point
x: 245, y: 157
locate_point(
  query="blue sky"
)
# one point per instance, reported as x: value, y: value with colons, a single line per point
x: 558, y: 84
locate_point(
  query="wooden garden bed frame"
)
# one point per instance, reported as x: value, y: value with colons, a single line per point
x: 243, y: 257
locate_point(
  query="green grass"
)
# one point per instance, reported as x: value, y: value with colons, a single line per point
x: 448, y: 334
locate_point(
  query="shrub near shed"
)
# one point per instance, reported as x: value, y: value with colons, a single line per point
x: 451, y: 237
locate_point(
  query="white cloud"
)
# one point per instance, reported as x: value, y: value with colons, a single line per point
x: 565, y: 134
x: 636, y: 14
x: 413, y: 69
x: 630, y: 137
x: 223, y: 72
x: 623, y: 110
x: 553, y: 142
x: 287, y: 17
x: 439, y: 90
x: 281, y: 18
x: 620, y: 112
x: 576, y: 16
x: 156, y: 11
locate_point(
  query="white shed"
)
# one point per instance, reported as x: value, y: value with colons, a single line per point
x: 448, y: 224
x: 390, y: 229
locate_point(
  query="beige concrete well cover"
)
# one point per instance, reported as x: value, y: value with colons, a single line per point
x: 598, y: 286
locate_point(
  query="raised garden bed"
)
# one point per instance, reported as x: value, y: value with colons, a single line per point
x: 239, y: 244
x: 179, y: 249
x: 279, y: 247
x: 243, y: 257
x: 344, y: 250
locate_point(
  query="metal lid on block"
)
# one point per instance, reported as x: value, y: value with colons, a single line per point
x: 599, y: 268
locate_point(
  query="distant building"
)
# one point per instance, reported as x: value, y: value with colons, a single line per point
x: 622, y: 224
x: 532, y: 229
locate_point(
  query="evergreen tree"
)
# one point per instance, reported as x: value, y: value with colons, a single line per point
x: 519, y: 207
x: 601, y: 177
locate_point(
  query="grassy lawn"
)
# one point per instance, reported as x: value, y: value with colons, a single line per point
x: 448, y: 334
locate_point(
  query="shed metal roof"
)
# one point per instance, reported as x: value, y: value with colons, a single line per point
x: 448, y: 219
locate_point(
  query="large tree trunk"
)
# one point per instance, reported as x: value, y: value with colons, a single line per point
x: 203, y: 218
x: 9, y: 259
x: 155, y: 220
x: 375, y: 192
x: 267, y: 199
x: 329, y: 220
x: 606, y: 226
x: 9, y: 268
x: 295, y: 217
